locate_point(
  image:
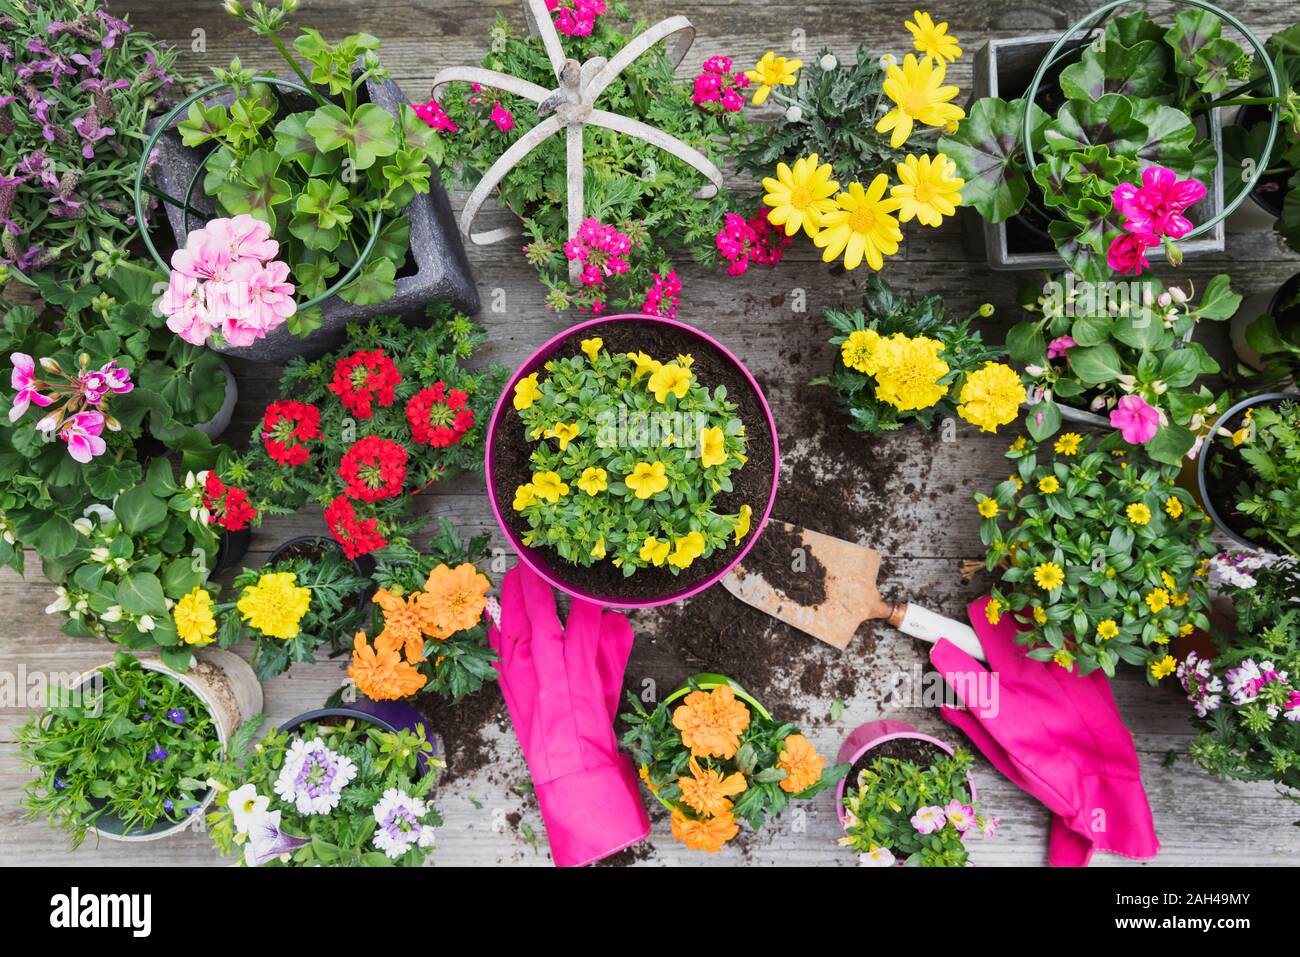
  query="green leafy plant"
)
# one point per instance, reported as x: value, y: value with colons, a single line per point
x: 1268, y: 493
x: 1091, y: 344
x: 630, y: 453
x: 885, y: 314
x: 1275, y: 338
x: 130, y: 743
x: 1099, y: 555
x: 884, y: 802
x: 266, y: 820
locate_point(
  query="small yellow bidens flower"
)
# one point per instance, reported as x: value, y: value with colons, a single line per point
x: 988, y: 507
x: 772, y: 71
x: 1048, y: 575
x: 743, y: 521
x: 195, y: 623
x: 919, y: 96
x: 593, y: 480
x: 527, y: 392
x: 1068, y: 444
x: 1107, y: 629
x: 1018, y: 445
x: 993, y: 611
x: 1040, y: 616
x: 1164, y: 667
x: 861, y: 226
x: 1138, y: 513
x: 800, y: 196
x: 275, y: 604
x: 647, y: 479
x: 642, y: 365
x: 928, y: 190
x: 1063, y: 658
x: 932, y: 39
x: 549, y: 486
x: 1174, y: 506
x: 563, y: 433
x: 713, y: 450
x: 592, y: 347
x: 525, y: 495
x: 1168, y: 580
x: 1185, y: 629
x: 991, y: 397
x: 1049, y: 485
x: 654, y: 551
x: 670, y: 378
x: 1157, y: 600
x: 859, y: 351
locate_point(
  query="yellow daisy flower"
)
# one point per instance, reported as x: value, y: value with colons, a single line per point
x: 1163, y: 667
x: 1063, y: 658
x: 1068, y: 443
x: 993, y: 611
x: 772, y: 71
x: 800, y: 196
x: 1049, y: 575
x: 919, y: 96
x: 1174, y: 506
x: 1107, y: 629
x: 862, y: 224
x: 1138, y: 513
x: 932, y: 39
x: 988, y: 507
x: 1157, y: 600
x: 1049, y: 485
x: 928, y: 190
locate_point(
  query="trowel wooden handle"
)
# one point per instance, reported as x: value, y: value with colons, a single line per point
x: 930, y: 626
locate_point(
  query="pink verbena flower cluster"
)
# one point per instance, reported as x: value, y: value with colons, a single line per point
x: 718, y: 84
x: 602, y: 251
x: 742, y: 241
x: 663, y: 295
x: 435, y: 116
x: 227, y: 280
x: 1152, y: 213
x: 575, y: 18
x: 80, y: 418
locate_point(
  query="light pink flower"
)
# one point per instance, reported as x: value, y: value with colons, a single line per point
x: 877, y: 857
x: 26, y: 385
x: 989, y: 826
x: 244, y: 237
x: 1156, y: 207
x: 1128, y: 253
x: 1136, y: 420
x: 202, y: 257
x: 184, y: 305
x: 926, y: 820
x: 268, y: 299
x: 961, y: 816
x: 109, y: 378
x: 82, y: 432
x: 1059, y: 346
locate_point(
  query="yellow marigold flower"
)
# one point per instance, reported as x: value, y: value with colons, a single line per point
x: 647, y: 479
x: 711, y: 722
x: 654, y: 551
x: 1048, y: 575
x: 993, y: 611
x: 928, y: 189
x: 453, y: 599
x: 642, y: 365
x: 1049, y: 484
x: 919, y: 96
x: 709, y: 834
x: 861, y: 225
x: 707, y: 792
x: 800, y: 196
x: 991, y: 396
x: 1138, y: 513
x: 909, y: 372
x: 527, y: 391
x: 988, y: 507
x: 859, y: 351
x: 743, y: 521
x: 598, y: 550
x: 1157, y: 600
x: 275, y: 604
x: 592, y: 347
x: 1068, y: 443
x: 192, y: 614
x: 1063, y: 658
x: 932, y: 39
x: 713, y: 447
x: 1165, y: 666
x: 801, y: 764
x: 772, y: 71
x: 1107, y: 629
x: 525, y: 495
x: 670, y: 378
x: 687, y: 548
x: 549, y: 486
x: 1174, y: 506
x: 593, y: 480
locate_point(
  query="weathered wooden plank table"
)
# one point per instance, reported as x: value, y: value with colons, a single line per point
x: 908, y: 495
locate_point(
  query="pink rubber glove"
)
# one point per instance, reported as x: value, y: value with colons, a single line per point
x: 1060, y: 738
x: 562, y: 689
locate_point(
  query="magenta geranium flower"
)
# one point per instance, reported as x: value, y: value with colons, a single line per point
x: 1128, y: 252
x: 81, y: 432
x: 26, y: 385
x: 1136, y: 420
x: 1156, y: 207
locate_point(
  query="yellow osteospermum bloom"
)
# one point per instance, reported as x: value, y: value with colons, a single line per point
x: 647, y: 479
x: 592, y: 347
x: 861, y: 225
x: 593, y: 480
x: 1138, y: 513
x: 1068, y: 444
x: 1048, y: 575
x: 988, y: 507
x: 919, y: 96
x: 991, y: 396
x: 800, y: 196
x: 910, y: 372
x: 743, y: 521
x: 275, y: 604
x: 642, y: 365
x: 563, y: 433
x: 195, y: 623
x: 932, y: 39
x: 1165, y: 666
x: 670, y: 378
x: 1174, y: 506
x: 772, y: 71
x: 1107, y: 629
x: 527, y: 392
x: 713, y: 449
x: 1049, y: 485
x: 859, y: 351
x: 549, y: 486
x: 928, y: 190
x: 655, y: 551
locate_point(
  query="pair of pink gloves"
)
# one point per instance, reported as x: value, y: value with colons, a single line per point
x: 1057, y: 736
x: 562, y: 687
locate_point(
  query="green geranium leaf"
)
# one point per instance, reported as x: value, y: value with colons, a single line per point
x: 1112, y: 67
x: 203, y: 124
x: 256, y: 189
x: 989, y: 157
x: 295, y: 143
x: 373, y: 285
x: 321, y: 214
x: 1192, y: 31
x: 368, y: 134
x: 1107, y: 122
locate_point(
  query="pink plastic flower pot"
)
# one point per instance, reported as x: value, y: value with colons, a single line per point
x: 551, y: 568
x: 872, y: 735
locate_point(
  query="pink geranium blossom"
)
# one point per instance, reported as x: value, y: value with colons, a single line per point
x: 1136, y: 420
x: 1156, y: 207
x: 26, y: 386
x: 82, y: 433
x: 1128, y: 253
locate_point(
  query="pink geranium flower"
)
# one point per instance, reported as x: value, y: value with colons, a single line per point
x: 184, y: 305
x: 1136, y: 420
x: 81, y: 432
x: 26, y: 385
x: 1128, y: 252
x: 1157, y: 206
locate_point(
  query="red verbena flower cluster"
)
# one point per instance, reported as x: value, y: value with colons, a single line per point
x: 718, y: 84
x: 373, y: 469
x: 439, y: 416
x: 663, y: 295
x: 742, y: 241
x: 364, y: 380
x: 227, y: 506
x: 355, y: 536
x: 286, y: 428
x: 575, y: 18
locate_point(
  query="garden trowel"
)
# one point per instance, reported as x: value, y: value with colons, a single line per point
x: 851, y: 597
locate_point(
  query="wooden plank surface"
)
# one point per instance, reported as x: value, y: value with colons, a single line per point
x: 921, y: 497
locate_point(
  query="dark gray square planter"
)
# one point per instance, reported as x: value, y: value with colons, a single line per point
x: 1004, y: 68
x: 436, y: 266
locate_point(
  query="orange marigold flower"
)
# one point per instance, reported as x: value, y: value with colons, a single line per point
x: 644, y: 773
x: 708, y: 835
x: 381, y: 674
x: 404, y: 625
x: 453, y: 599
x: 706, y: 791
x: 801, y: 763
x: 711, y: 722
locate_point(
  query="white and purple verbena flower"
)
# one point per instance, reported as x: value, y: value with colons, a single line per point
x: 400, y: 827
x: 1204, y: 688
x: 313, y: 776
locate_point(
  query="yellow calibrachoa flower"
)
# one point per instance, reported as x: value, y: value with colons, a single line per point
x: 859, y: 350
x: 772, y: 71
x: 687, y: 548
x: 598, y: 550
x: 647, y: 479
x: 928, y: 189
x: 1138, y: 513
x: 670, y: 378
x: 592, y: 347
x: 860, y: 226
x: 991, y: 397
x: 910, y: 372
x: 1068, y: 444
x: 712, y: 447
x: 932, y: 39
x: 563, y: 433
x: 525, y: 495
x: 1157, y: 600
x: 642, y: 365
x: 743, y: 521
x: 1174, y: 506
x: 1107, y: 629
x: 993, y: 611
x: 988, y: 507
x: 919, y: 96
x: 550, y: 486
x: 800, y: 196
x: 1164, y: 667
x: 1048, y: 575
x: 1049, y: 485
x: 654, y: 551
x: 275, y: 604
x: 527, y: 392
x: 593, y: 480
x: 195, y: 623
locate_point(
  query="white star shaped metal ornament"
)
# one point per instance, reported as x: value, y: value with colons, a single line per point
x: 569, y: 107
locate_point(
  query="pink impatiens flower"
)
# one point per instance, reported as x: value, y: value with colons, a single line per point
x: 26, y: 385
x: 1137, y: 421
x: 1156, y: 207
x: 1058, y: 347
x: 81, y: 431
x: 927, y: 820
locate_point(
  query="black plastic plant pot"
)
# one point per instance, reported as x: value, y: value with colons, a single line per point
x: 391, y: 716
x: 1217, y: 490
x: 1264, y: 205
x: 436, y: 266
x: 231, y: 549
